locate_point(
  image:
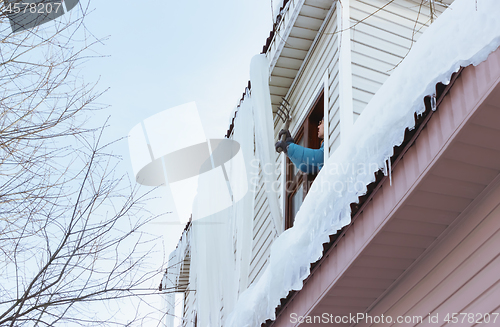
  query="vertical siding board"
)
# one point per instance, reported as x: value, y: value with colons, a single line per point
x: 423, y: 150
x: 359, y: 233
x: 349, y: 245
x: 411, y: 165
x: 436, y: 140
x: 399, y: 183
x: 472, y: 93
x: 379, y: 208
x: 448, y: 120
x: 368, y: 218
x: 457, y: 102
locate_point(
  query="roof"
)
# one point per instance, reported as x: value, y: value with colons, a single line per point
x: 445, y: 169
x: 372, y: 140
x: 381, y: 179
x: 289, y: 45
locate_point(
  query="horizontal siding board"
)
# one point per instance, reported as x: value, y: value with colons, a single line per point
x: 415, y: 227
x: 325, y: 4
x: 313, y: 11
x: 284, y: 72
x: 366, y: 84
x: 292, y: 53
x: 361, y: 42
x: 298, y: 43
x: 443, y: 185
x: 303, y: 33
x: 289, y: 63
x: 481, y: 136
x: 381, y: 262
x: 308, y: 22
x: 375, y: 272
x: 377, y: 283
x: 464, y: 172
x: 361, y: 95
x: 404, y: 20
x: 383, y: 250
x: 369, y: 73
x: 281, y: 81
x: 466, y: 153
x: 439, y: 201
x: 366, y: 31
x: 382, y: 34
x: 343, y: 301
x: 358, y: 106
x: 425, y: 214
x: 374, y: 59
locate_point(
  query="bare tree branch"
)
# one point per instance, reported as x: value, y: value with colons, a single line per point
x: 71, y: 229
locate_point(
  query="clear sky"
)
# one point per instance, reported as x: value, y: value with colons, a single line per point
x: 161, y: 54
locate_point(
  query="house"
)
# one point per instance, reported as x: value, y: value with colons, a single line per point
x: 420, y: 242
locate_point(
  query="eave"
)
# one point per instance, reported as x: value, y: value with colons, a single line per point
x: 292, y: 42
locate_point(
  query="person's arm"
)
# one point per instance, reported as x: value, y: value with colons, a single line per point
x: 307, y: 160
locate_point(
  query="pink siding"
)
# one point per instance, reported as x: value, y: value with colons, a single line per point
x: 458, y: 275
x: 428, y: 243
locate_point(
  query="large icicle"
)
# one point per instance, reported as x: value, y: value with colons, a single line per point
x: 461, y: 36
x: 264, y: 133
x: 170, y: 281
x: 221, y: 243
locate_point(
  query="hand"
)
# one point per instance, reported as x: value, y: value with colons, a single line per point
x: 281, y: 146
x: 288, y: 136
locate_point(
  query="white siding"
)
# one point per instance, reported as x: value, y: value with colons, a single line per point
x: 333, y: 88
x: 322, y: 59
x: 380, y: 39
x: 189, y: 305
x: 263, y: 231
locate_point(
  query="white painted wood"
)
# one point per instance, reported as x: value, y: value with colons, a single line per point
x: 263, y: 232
x: 326, y: 124
x: 345, y: 73
x: 283, y: 30
x: 380, y: 39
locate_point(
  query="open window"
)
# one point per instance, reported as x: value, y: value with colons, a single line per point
x: 297, y: 182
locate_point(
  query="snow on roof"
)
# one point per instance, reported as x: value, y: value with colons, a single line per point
x: 466, y: 33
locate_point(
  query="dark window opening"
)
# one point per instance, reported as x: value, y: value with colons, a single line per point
x: 298, y: 183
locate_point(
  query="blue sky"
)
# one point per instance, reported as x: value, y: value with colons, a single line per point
x: 161, y: 54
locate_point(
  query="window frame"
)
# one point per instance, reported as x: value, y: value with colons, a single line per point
x: 309, y: 131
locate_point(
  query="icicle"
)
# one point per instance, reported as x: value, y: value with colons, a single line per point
x: 390, y: 171
x: 433, y: 102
